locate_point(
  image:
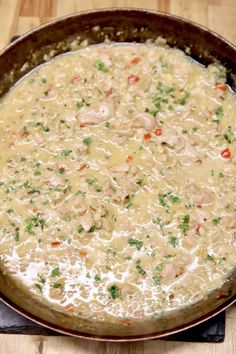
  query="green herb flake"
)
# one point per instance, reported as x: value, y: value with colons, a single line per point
x: 91, y: 180
x: 40, y: 125
x: 35, y: 221
x: 37, y: 173
x: 221, y: 260
x: 156, y: 279
x: 61, y: 170
x: 66, y: 152
x: 92, y: 228
x: 80, y: 229
x: 111, y: 252
x: 183, y: 100
x: 33, y: 191
x: 99, y: 65
x: 139, y: 268
x: 57, y: 285
x: 209, y: 258
x: 160, y: 267
x: 218, y: 114
x: 107, y: 125
x: 139, y: 182
x: 216, y: 221
x: 16, y: 234
x: 184, y: 226
x: 169, y: 256
x: 39, y: 286
x: 114, y: 291
x: 158, y: 222
x: 173, y: 241
x: 137, y: 243
x: 42, y: 279
x: 55, y: 272
x: 87, y: 141
x: 97, y: 277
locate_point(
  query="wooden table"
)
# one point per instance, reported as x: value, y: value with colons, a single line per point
x: 17, y: 17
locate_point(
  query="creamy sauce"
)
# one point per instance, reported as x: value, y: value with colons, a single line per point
x: 117, y: 182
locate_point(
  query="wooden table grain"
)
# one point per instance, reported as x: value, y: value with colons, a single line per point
x: 17, y: 17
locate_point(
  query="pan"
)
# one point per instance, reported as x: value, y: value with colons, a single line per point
x: 92, y: 27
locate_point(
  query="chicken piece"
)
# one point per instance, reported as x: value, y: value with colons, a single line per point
x: 86, y: 221
x: 147, y: 121
x: 230, y: 222
x: 105, y: 111
x: 199, y: 196
x: 56, y: 180
x: 202, y: 197
x: 120, y: 168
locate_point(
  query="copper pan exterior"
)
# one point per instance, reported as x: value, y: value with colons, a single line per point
x: 117, y: 24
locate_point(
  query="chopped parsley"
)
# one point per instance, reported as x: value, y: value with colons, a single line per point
x: 183, y: 100
x: 218, y: 114
x: 39, y: 286
x: 57, y: 285
x: 40, y: 124
x: 66, y: 152
x: 168, y: 256
x: 35, y: 221
x: 137, y: 243
x: 91, y: 180
x: 158, y: 222
x: 166, y: 198
x: 80, y: 229
x: 55, y: 272
x: 97, y: 277
x: 80, y: 104
x: 216, y: 221
x: 160, y: 267
x: 184, y: 226
x: 99, y: 65
x: 16, y: 234
x: 139, y: 182
x: 87, y: 141
x: 92, y: 228
x: 61, y: 170
x: 114, y: 291
x: 209, y: 258
x: 173, y: 241
x: 157, y: 279
x: 139, y: 268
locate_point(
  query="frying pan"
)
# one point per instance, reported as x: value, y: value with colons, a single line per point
x: 120, y: 25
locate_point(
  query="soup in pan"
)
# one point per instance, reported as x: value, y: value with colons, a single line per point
x: 117, y: 182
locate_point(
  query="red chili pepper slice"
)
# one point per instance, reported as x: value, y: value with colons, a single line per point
x: 133, y: 79
x: 158, y: 132
x: 55, y: 243
x: 226, y: 154
x: 147, y: 136
x: 221, y: 86
x: 135, y: 60
x: 129, y: 158
x: 77, y: 78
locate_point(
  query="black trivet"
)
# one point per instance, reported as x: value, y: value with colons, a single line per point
x: 212, y: 330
